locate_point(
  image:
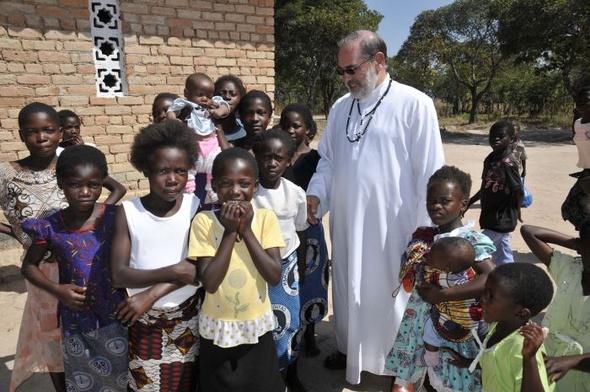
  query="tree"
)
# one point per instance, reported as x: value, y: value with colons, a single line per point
x: 554, y: 34
x: 306, y: 36
x: 460, y: 38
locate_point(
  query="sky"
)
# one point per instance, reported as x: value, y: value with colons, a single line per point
x: 398, y: 17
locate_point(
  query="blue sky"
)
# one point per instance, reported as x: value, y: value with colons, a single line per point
x: 398, y: 17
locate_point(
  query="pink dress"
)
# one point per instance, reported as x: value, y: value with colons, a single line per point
x: 23, y: 195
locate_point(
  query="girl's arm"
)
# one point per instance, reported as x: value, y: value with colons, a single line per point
x: 533, y: 338
x: 131, y: 308
x: 6, y: 229
x: 70, y: 295
x: 268, y: 262
x: 473, y: 199
x: 116, y: 188
x: 538, y: 240
x: 474, y: 289
x: 557, y: 367
x: 124, y: 276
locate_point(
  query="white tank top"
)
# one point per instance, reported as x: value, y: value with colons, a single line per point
x: 159, y: 242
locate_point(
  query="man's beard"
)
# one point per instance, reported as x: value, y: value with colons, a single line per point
x: 367, y: 85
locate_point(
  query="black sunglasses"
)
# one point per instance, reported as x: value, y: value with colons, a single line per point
x: 351, y: 70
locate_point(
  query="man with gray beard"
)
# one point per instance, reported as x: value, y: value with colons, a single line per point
x: 380, y: 146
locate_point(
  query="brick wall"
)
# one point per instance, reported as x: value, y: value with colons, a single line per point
x: 46, y: 55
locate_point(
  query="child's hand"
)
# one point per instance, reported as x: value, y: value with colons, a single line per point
x: 557, y: 367
x: 186, y: 272
x: 247, y: 217
x: 229, y: 215
x: 218, y: 111
x: 456, y: 359
x: 429, y: 292
x: 73, y: 297
x: 131, y: 309
x: 533, y: 338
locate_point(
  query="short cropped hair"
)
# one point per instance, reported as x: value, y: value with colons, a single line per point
x: 251, y: 96
x: 270, y: 134
x: 455, y: 176
x: 230, y: 78
x: 503, y: 125
x: 370, y: 43
x: 65, y: 114
x: 36, y: 107
x: 191, y: 80
x: 529, y: 285
x: 461, y: 249
x: 80, y: 155
x: 305, y: 112
x: 232, y: 154
x: 165, y: 134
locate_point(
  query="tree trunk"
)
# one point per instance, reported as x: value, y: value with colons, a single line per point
x: 474, y: 102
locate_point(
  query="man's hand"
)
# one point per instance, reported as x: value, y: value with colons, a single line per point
x: 312, y: 208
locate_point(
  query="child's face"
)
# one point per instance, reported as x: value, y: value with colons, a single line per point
x: 293, y: 124
x: 160, y: 108
x: 497, y: 302
x: 444, y: 203
x: 255, y: 116
x: 41, y: 134
x: 168, y: 173
x: 272, y: 159
x: 231, y: 94
x: 82, y: 187
x: 71, y: 128
x: 200, y: 92
x: 236, y: 181
x: 499, y: 140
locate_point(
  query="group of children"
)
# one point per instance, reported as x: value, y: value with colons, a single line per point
x: 114, y: 291
x: 212, y: 285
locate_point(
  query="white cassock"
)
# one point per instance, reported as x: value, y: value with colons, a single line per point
x: 375, y: 190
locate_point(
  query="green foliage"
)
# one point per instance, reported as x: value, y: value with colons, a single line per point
x: 553, y: 33
x: 306, y: 36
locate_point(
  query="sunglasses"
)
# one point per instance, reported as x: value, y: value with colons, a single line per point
x: 351, y: 70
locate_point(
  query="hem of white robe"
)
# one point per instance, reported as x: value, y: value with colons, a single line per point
x: 353, y: 373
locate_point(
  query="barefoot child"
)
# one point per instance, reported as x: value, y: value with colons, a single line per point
x: 94, y: 342
x: 447, y: 197
x: 297, y: 120
x: 147, y: 258
x: 568, y: 316
x: 511, y: 356
x: 237, y: 253
x: 273, y: 150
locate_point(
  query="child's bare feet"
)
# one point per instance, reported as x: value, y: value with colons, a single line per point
x: 311, y: 346
x: 292, y: 380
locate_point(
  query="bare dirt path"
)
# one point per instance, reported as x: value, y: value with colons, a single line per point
x: 551, y: 157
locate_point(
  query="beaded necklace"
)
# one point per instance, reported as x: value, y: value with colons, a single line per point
x: 358, y: 135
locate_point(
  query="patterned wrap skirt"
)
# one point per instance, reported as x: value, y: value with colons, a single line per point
x: 314, y: 291
x: 286, y: 307
x: 163, y: 349
x: 96, y: 361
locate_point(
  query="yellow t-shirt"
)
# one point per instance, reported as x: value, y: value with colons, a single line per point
x: 240, y: 310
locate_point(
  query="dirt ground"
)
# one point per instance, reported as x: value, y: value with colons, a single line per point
x: 551, y: 156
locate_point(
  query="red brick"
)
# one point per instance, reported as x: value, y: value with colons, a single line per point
x: 33, y: 79
x: 50, y: 11
x: 24, y: 33
x: 16, y: 91
x: 20, y: 56
x: 54, y: 57
x: 16, y: 19
x: 175, y: 22
x: 74, y: 3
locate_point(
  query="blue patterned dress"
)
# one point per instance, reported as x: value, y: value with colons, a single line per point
x: 409, y: 344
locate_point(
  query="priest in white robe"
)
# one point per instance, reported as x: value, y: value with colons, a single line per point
x: 381, y: 144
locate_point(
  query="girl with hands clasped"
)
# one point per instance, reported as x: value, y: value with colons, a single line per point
x: 237, y: 252
x: 148, y: 258
x: 511, y: 356
x: 80, y: 237
x: 568, y: 316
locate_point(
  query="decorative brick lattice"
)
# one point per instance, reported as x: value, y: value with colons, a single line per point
x: 107, y: 42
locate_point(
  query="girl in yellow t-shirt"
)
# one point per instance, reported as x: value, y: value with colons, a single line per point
x: 237, y: 255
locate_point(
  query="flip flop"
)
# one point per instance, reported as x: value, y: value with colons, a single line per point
x: 335, y: 361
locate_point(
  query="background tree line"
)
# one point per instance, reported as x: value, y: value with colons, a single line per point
x: 515, y: 58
